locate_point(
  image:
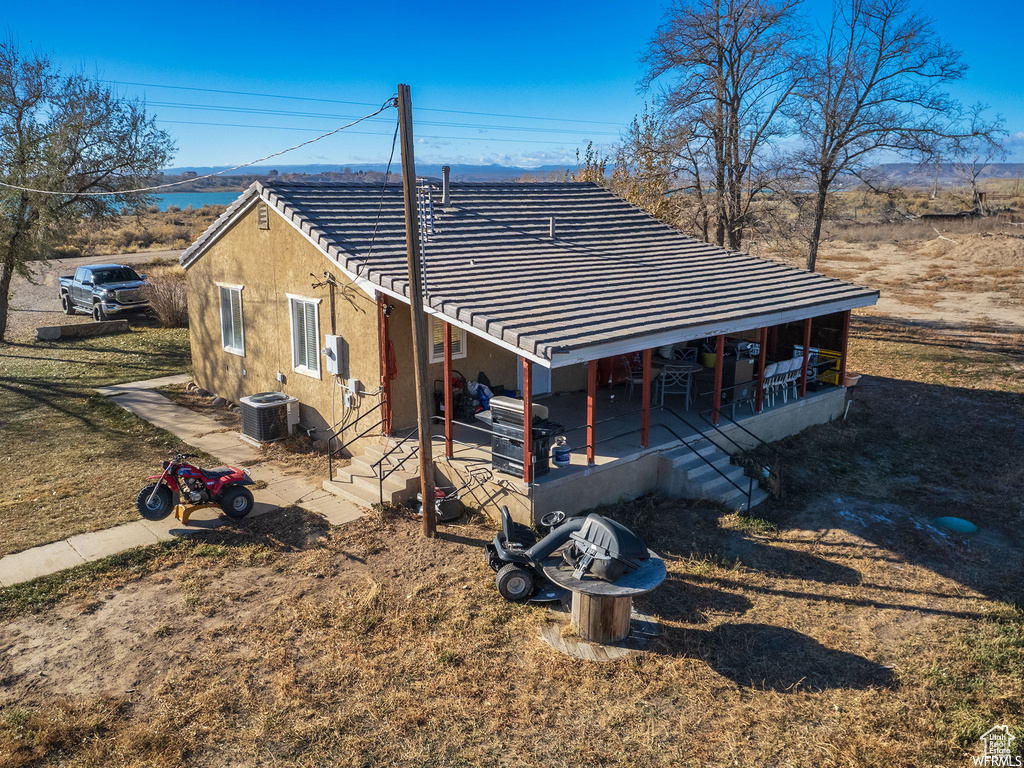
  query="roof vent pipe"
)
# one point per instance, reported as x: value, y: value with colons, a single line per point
x: 551, y: 231
x: 445, y: 193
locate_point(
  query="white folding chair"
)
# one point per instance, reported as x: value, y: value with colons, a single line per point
x: 769, y: 383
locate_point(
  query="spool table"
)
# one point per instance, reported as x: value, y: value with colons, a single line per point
x: 601, y: 610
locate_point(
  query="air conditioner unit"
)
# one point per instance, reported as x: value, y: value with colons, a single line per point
x: 268, y: 416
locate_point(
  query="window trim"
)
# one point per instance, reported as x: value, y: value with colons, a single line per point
x: 457, y: 334
x: 304, y: 370
x: 241, y: 311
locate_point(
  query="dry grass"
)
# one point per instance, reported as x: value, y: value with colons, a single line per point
x: 150, y: 229
x: 168, y: 298
x: 267, y: 644
x: 72, y: 460
x: 836, y: 628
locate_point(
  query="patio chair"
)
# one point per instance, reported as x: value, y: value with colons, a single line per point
x: 791, y: 377
x: 633, y: 375
x: 685, y: 353
x: 770, y: 382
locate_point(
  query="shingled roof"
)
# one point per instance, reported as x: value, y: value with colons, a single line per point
x: 613, y: 279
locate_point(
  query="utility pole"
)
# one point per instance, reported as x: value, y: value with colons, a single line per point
x: 419, y: 328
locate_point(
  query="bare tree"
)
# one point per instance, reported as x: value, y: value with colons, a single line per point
x: 727, y: 70
x: 975, y: 149
x: 63, y: 134
x: 874, y: 84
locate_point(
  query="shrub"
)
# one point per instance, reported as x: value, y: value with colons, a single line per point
x: 168, y: 297
x: 66, y: 251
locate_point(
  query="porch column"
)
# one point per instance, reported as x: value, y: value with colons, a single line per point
x: 759, y: 397
x: 591, y: 410
x: 807, y: 357
x: 449, y: 397
x: 645, y: 416
x: 844, y: 346
x: 719, y: 363
x: 384, y: 342
x: 527, y: 420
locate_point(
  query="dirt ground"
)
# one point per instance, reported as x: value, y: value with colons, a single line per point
x: 838, y: 627
x: 970, y: 279
x: 35, y: 301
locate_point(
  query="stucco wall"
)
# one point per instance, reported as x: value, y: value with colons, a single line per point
x: 269, y: 264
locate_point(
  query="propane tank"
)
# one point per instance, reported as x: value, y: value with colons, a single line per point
x: 560, y: 452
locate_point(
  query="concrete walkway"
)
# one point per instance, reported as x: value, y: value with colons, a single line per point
x: 284, y: 489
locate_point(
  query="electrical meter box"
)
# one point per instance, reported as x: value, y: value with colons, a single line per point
x: 335, y: 355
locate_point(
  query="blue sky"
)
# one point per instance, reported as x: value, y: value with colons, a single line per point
x: 576, y: 65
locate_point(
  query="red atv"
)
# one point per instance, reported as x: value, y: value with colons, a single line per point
x: 221, y: 485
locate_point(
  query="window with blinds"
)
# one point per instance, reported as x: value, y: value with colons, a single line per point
x: 232, y: 335
x: 305, y: 336
x: 437, y: 339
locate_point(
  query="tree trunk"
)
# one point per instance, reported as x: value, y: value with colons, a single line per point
x: 6, y: 275
x: 819, y: 218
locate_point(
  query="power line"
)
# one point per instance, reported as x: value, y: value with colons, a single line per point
x: 362, y: 133
x: 391, y: 102
x: 441, y: 124
x: 359, y: 103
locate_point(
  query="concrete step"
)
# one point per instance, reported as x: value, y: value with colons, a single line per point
x: 346, y: 490
x: 683, y: 457
x: 704, y: 471
x: 711, y: 483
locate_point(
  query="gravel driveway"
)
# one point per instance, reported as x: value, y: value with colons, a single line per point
x: 35, y: 303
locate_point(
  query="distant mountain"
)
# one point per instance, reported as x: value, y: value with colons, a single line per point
x: 459, y: 172
x: 913, y: 174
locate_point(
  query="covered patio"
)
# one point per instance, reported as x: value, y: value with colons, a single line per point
x: 617, y: 429
x: 626, y: 415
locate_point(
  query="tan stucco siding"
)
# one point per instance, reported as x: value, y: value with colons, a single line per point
x: 481, y: 355
x: 269, y: 264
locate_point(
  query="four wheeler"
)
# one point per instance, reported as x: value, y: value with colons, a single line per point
x: 224, y: 486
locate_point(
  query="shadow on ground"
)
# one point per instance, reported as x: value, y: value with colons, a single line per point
x: 772, y: 658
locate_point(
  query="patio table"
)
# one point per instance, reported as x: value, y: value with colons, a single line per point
x: 677, y: 378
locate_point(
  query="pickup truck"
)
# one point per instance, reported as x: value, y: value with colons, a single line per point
x: 103, y: 290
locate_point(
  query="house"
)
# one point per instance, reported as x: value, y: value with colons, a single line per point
x: 563, y: 286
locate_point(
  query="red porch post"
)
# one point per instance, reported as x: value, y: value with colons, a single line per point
x: 719, y: 363
x: 449, y: 397
x: 527, y: 420
x: 384, y: 342
x: 759, y: 397
x: 844, y: 346
x: 645, y: 416
x: 591, y: 409
x: 807, y: 357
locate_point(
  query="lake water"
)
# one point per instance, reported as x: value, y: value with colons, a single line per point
x: 195, y: 199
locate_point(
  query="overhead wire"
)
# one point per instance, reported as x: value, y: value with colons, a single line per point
x: 441, y: 124
x: 358, y: 103
x: 391, y: 102
x: 361, y: 133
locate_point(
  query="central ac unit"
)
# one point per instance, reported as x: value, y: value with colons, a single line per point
x: 268, y: 416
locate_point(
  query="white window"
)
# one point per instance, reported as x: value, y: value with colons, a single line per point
x: 232, y: 335
x: 305, y: 335
x: 437, y: 341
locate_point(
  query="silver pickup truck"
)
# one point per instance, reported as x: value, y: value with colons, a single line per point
x: 103, y: 290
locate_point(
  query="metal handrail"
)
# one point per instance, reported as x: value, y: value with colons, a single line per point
x: 358, y: 419
x: 331, y: 453
x: 750, y: 485
x: 382, y: 476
